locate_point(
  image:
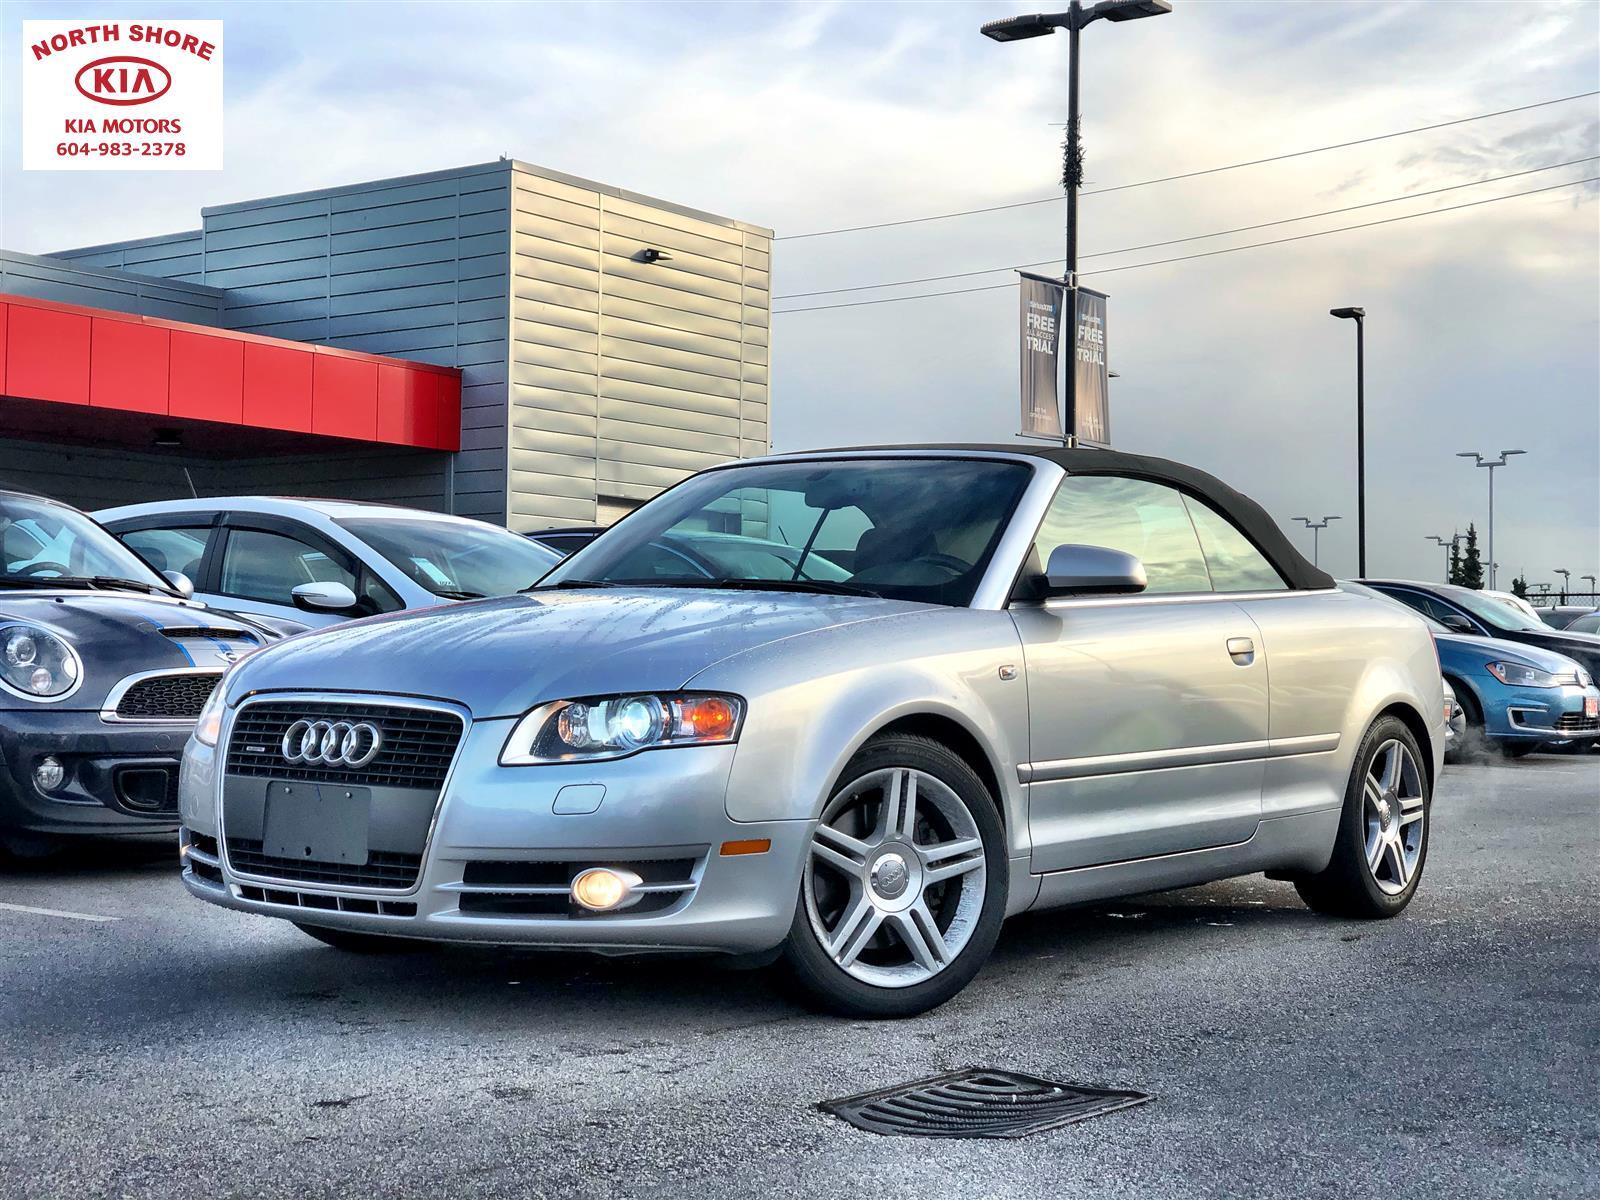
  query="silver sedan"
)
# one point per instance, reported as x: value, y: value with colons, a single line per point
x: 1036, y: 678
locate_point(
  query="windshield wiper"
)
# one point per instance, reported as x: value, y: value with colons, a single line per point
x: 454, y: 594
x: 570, y: 584
x: 81, y: 581
x: 811, y: 586
x: 111, y: 581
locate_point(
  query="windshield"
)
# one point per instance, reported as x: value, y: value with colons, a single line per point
x: 42, y: 543
x: 1361, y: 589
x: 1490, y: 611
x: 904, y: 528
x: 1588, y: 623
x: 459, y: 560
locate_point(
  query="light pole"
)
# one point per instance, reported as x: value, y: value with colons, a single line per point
x: 1566, y: 581
x: 1481, y: 461
x: 1016, y: 29
x: 1589, y: 579
x: 1359, y: 316
x: 1447, y: 543
x: 1316, y: 527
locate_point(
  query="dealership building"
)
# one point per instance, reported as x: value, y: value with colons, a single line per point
x: 500, y: 341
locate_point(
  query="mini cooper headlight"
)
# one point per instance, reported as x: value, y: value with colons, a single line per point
x: 1520, y: 675
x: 616, y: 726
x: 36, y: 663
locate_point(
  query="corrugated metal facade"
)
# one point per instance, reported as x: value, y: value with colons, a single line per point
x: 591, y: 378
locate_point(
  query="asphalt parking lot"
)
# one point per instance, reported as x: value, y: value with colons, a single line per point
x: 182, y: 1049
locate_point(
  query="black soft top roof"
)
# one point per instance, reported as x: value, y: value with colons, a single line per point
x: 1244, y: 512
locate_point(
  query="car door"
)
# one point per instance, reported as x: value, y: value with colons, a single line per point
x: 1147, y: 713
x: 262, y: 559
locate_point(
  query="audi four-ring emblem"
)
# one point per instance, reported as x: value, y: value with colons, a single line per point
x: 331, y: 743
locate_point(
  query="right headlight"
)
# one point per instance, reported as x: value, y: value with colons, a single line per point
x: 1522, y: 675
x: 35, y: 663
x: 604, y: 727
x: 208, y: 728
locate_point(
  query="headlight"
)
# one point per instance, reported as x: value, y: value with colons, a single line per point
x: 615, y: 726
x: 208, y: 728
x: 1518, y: 675
x: 36, y: 663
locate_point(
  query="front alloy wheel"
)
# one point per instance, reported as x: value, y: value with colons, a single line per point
x: 899, y: 904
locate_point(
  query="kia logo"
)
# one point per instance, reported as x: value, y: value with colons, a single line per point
x: 331, y: 743
x: 123, y: 80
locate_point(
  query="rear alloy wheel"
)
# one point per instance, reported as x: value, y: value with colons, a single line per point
x: 904, y: 889
x: 1382, y: 842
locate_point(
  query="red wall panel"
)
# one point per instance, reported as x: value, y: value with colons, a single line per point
x: 47, y: 355
x: 207, y: 381
x: 128, y: 366
x: 344, y: 397
x: 3, y: 310
x: 277, y: 387
x: 398, y: 389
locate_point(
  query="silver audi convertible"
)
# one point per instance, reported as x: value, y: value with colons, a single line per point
x: 980, y: 681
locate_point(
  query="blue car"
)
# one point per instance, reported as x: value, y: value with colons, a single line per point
x: 1513, y: 696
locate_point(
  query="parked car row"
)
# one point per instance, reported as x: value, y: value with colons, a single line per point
x: 849, y: 709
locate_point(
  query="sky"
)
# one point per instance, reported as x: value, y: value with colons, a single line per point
x: 1483, y: 325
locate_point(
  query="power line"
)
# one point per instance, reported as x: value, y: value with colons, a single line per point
x: 1198, y: 237
x: 1255, y: 162
x: 1432, y: 212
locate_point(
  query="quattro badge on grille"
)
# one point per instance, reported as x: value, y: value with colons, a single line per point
x: 331, y: 743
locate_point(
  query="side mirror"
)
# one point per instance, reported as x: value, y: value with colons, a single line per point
x: 180, y: 581
x: 328, y: 597
x: 1456, y: 623
x: 1093, y: 571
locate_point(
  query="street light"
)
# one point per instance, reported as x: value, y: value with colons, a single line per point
x: 1447, y: 543
x: 1316, y: 527
x: 1359, y: 316
x: 1566, y: 581
x: 1481, y: 461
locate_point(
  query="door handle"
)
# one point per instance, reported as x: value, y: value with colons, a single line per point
x: 1242, y: 650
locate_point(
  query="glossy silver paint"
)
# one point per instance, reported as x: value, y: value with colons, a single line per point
x: 1132, y: 742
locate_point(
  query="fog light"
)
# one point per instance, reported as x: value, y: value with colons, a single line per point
x: 600, y: 889
x: 49, y: 774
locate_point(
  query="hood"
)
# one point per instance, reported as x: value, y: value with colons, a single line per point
x: 119, y: 633
x: 500, y: 657
x: 1488, y: 650
x: 1584, y: 648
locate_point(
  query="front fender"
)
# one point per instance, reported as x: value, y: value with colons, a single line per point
x: 814, y: 700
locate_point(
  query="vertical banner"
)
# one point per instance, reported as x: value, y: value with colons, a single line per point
x: 1090, y: 389
x: 1041, y: 346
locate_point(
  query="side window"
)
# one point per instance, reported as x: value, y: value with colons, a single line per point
x: 1234, y: 563
x: 257, y: 565
x: 1139, y: 518
x: 169, y: 549
x: 376, y: 595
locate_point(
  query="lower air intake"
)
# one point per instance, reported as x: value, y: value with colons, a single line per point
x: 978, y: 1103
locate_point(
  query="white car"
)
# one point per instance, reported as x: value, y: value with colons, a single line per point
x: 310, y: 563
x: 1515, y: 601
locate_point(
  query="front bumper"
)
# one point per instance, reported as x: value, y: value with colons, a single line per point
x: 499, y: 856
x: 120, y: 779
x: 1547, y: 715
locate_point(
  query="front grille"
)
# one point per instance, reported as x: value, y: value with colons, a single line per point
x: 167, y: 697
x: 418, y: 744
x: 1578, y: 723
x: 348, y: 904
x: 382, y: 869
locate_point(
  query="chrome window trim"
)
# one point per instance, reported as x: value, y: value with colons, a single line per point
x: 108, y: 709
x: 232, y: 875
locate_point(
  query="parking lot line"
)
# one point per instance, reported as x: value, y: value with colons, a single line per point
x: 54, y: 912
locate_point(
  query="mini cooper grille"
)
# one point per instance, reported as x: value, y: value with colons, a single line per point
x: 418, y: 744
x: 978, y: 1103
x: 381, y: 869
x: 1577, y: 723
x: 167, y: 697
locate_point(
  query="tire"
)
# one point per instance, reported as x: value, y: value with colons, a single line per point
x: 905, y: 942
x: 1473, y: 744
x: 363, y: 943
x: 1388, y: 824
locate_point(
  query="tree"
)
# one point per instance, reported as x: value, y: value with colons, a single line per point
x: 1519, y: 587
x: 1469, y: 567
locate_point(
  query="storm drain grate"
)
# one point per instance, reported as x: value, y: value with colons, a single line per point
x: 978, y: 1103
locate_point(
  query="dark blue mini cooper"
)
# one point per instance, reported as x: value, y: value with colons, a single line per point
x: 104, y: 666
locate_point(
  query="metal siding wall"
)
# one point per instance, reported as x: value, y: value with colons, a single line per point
x: 627, y: 376
x: 174, y: 256
x: 72, y: 281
